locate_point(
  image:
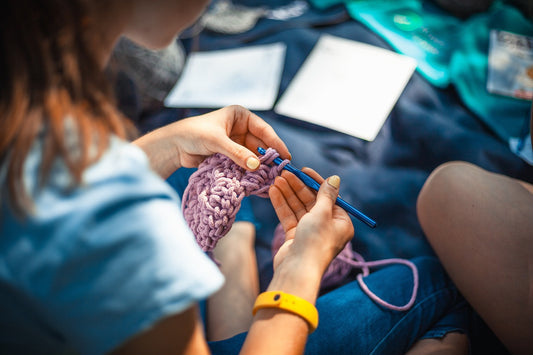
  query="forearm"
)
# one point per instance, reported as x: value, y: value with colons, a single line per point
x: 161, y: 151
x: 276, y: 331
x: 231, y: 131
x: 229, y: 310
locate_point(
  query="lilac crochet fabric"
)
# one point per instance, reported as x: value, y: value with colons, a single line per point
x: 215, y: 191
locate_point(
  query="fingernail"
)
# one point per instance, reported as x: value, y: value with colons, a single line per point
x: 334, y: 181
x: 252, y: 163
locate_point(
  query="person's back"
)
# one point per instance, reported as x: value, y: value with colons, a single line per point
x: 82, y: 262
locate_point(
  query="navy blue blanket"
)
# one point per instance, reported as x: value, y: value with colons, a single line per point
x: 427, y: 127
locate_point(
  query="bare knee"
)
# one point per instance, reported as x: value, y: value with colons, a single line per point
x: 440, y: 187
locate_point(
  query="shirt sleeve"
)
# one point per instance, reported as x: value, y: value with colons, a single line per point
x: 121, y: 256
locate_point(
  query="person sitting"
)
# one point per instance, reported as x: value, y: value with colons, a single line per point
x: 95, y: 256
x: 480, y: 225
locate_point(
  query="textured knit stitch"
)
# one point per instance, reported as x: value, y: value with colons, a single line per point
x: 215, y: 191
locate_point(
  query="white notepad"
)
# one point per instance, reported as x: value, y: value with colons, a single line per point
x: 248, y: 76
x: 347, y: 86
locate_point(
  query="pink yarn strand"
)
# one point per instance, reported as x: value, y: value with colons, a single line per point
x: 347, y: 259
x: 365, y: 265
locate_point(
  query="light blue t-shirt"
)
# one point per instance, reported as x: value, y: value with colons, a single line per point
x: 95, y: 265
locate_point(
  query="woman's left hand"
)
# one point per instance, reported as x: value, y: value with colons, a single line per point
x: 233, y: 131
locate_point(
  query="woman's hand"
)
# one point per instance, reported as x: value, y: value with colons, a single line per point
x: 315, y: 228
x: 233, y: 131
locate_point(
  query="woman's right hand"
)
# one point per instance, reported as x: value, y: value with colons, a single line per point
x: 316, y: 229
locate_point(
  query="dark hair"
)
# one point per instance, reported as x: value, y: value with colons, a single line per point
x: 49, y: 72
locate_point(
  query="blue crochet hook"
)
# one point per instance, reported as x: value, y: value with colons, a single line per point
x: 309, y: 181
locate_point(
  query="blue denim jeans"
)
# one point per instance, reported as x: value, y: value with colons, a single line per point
x: 351, y: 323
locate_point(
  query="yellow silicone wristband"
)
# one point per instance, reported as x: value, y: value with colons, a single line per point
x: 290, y: 303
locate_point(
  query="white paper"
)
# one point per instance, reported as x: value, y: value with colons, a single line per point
x: 247, y: 76
x: 347, y: 86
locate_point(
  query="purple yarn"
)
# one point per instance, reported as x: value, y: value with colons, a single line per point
x: 215, y: 191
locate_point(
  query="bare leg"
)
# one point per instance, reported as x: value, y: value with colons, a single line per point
x: 229, y: 311
x: 480, y: 225
x: 451, y: 343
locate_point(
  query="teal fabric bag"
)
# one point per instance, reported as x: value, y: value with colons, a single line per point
x: 416, y: 28
x: 323, y: 4
x: 506, y: 116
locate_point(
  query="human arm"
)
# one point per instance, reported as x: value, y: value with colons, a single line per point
x: 315, y: 233
x: 233, y: 131
x: 229, y: 310
x: 178, y: 334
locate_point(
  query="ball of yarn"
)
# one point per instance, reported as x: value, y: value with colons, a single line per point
x: 215, y: 191
x: 337, y: 270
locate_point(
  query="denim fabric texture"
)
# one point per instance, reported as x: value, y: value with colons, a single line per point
x: 351, y: 323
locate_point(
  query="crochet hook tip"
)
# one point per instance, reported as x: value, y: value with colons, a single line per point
x: 316, y: 186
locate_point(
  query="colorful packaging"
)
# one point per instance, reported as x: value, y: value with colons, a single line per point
x: 469, y: 67
x: 415, y: 28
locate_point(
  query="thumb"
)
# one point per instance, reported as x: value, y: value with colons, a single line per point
x: 328, y: 193
x: 241, y: 155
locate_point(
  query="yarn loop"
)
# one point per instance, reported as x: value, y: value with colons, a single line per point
x: 340, y: 267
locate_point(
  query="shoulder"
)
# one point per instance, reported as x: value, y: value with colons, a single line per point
x: 106, y: 259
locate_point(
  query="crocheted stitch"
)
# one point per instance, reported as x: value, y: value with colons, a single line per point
x: 215, y: 191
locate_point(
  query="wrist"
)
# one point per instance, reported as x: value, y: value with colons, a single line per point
x: 161, y: 151
x: 298, y: 276
x: 290, y: 303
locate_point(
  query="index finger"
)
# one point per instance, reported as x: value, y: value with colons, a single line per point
x: 264, y: 133
x: 285, y: 213
x: 312, y: 173
x: 305, y: 194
